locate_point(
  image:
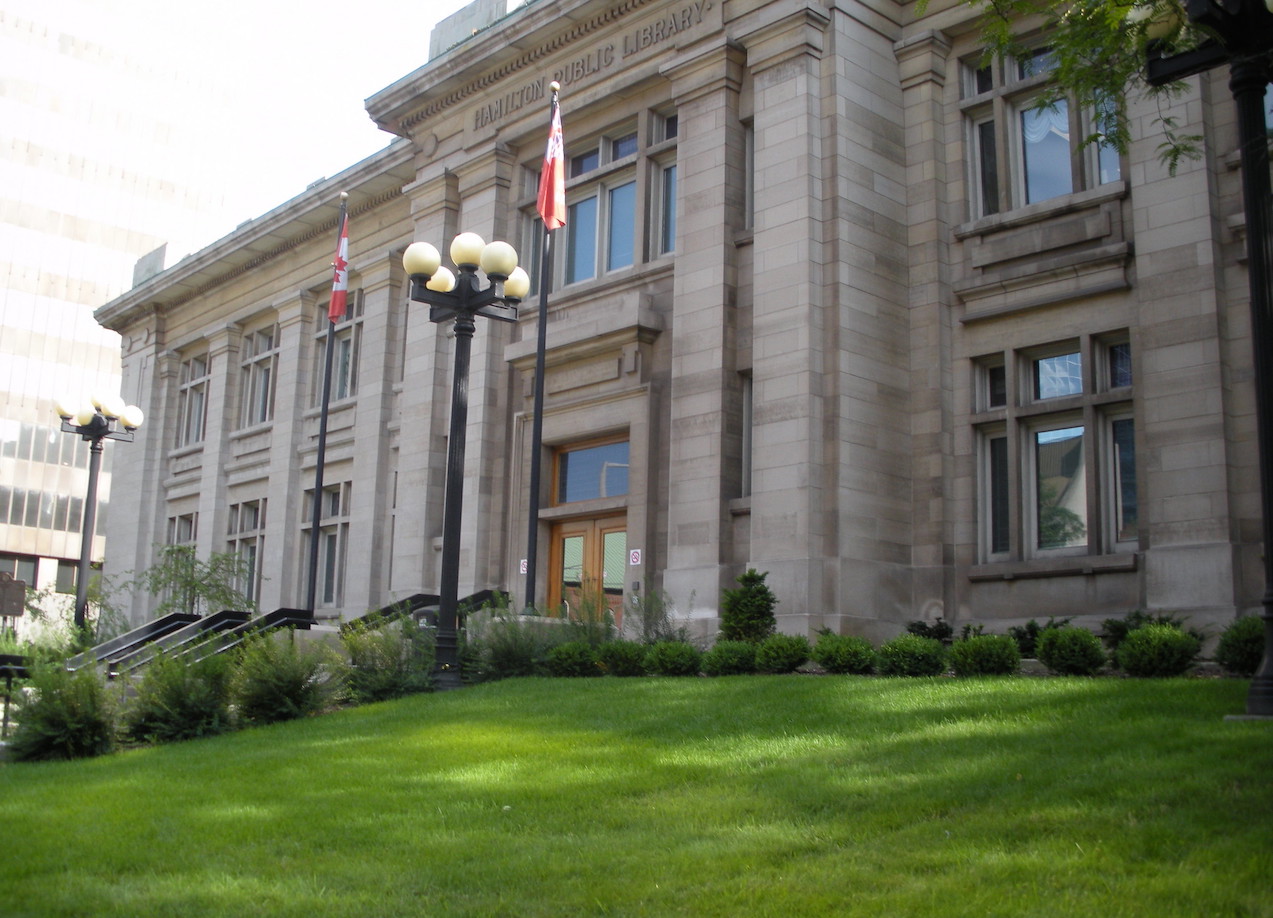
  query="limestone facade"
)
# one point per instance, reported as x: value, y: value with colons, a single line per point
x: 817, y: 312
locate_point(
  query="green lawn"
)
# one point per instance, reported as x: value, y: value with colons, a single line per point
x: 783, y: 796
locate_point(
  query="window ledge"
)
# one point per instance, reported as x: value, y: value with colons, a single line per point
x: 1054, y: 567
x: 598, y: 506
x: 740, y: 506
x: 1034, y: 213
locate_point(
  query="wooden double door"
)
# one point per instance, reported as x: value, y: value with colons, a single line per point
x: 588, y: 561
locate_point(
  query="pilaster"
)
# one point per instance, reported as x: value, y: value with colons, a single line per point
x: 705, y: 434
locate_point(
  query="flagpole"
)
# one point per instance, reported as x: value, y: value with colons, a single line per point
x: 551, y: 204
x: 537, y: 423
x: 321, y: 458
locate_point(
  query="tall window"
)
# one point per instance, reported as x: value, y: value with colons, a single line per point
x: 1021, y: 155
x: 246, y: 541
x: 183, y: 529
x: 192, y: 399
x: 333, y: 539
x: 1057, y: 448
x: 257, y: 376
x: 346, y: 350
x: 620, y: 201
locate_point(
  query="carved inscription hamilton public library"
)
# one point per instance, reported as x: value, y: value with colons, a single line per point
x: 678, y: 18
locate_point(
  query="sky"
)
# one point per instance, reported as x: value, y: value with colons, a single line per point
x: 261, y: 97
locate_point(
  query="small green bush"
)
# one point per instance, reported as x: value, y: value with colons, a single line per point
x: 572, y: 659
x: 1157, y: 650
x: 673, y: 658
x: 911, y: 655
x: 1070, y: 651
x: 782, y: 653
x: 1115, y: 630
x: 985, y: 655
x: 747, y: 613
x: 1027, y: 635
x: 180, y: 700
x: 389, y: 661
x: 1241, y: 646
x: 938, y: 630
x: 622, y: 658
x: 843, y: 653
x: 276, y: 679
x: 510, y: 646
x: 66, y: 716
x: 730, y: 658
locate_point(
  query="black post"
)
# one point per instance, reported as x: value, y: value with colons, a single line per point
x: 90, y: 520
x: 319, y: 462
x: 448, y: 637
x: 1249, y: 77
x: 320, y: 459
x: 537, y: 423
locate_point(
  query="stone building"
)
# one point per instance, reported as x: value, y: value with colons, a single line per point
x: 832, y: 302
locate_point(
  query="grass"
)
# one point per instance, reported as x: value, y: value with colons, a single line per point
x: 733, y: 796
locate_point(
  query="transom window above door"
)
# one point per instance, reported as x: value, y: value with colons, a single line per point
x: 591, y: 471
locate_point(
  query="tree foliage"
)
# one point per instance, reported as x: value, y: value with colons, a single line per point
x: 187, y: 584
x: 1099, y: 53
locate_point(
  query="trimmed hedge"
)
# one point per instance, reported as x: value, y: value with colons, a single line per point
x: 985, y: 655
x: 1157, y: 650
x: 844, y: 653
x: 911, y: 655
x: 1070, y: 651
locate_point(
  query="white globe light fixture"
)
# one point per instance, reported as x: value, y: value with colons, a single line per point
x: 105, y: 417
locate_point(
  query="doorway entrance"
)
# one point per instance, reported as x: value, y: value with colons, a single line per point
x: 587, y: 563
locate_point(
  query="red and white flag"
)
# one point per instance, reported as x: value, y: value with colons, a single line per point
x: 552, y: 180
x: 340, y: 282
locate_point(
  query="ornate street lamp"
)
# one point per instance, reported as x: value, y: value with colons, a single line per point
x: 106, y: 418
x: 461, y: 299
x: 1241, y: 34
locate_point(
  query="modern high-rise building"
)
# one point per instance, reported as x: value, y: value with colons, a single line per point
x: 832, y: 301
x: 91, y: 166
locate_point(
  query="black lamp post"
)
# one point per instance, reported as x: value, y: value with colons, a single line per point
x: 461, y: 299
x: 1242, y: 34
x: 95, y: 423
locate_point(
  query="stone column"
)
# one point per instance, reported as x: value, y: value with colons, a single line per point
x: 937, y: 502
x: 704, y: 437
x: 380, y: 277
x: 424, y: 406
x: 792, y: 503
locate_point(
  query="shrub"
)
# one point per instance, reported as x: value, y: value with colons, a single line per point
x: 673, y: 658
x: 782, y: 653
x: 985, y: 655
x: 389, y: 661
x: 622, y: 658
x: 276, y: 679
x: 1241, y: 646
x: 730, y: 658
x: 1157, y: 650
x: 572, y: 658
x: 843, y: 653
x: 911, y: 655
x: 1027, y: 635
x: 1115, y: 630
x: 1070, y: 651
x: 747, y: 613
x: 938, y: 630
x: 66, y: 716
x: 509, y: 646
x: 177, y: 700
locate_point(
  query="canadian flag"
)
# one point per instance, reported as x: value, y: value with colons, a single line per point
x: 552, y: 180
x: 340, y: 282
